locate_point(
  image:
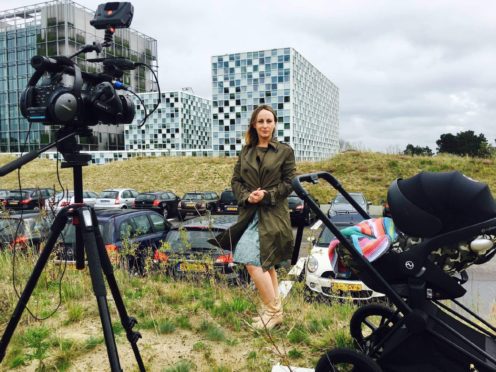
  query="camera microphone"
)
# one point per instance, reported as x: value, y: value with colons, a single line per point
x: 120, y: 63
x: 55, y: 64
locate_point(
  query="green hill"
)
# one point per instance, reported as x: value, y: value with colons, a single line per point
x: 358, y: 171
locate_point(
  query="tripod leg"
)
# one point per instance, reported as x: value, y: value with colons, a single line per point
x: 89, y: 227
x: 126, y: 321
x: 56, y: 228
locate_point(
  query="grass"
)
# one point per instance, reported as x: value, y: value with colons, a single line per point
x: 210, y: 318
x: 368, y: 172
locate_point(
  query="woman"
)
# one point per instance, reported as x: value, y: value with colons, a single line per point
x: 262, y: 237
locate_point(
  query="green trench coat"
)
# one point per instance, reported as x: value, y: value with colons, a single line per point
x: 274, y: 175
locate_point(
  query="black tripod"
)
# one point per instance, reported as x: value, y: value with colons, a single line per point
x: 88, y: 238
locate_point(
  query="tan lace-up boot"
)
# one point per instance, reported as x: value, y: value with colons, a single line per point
x: 271, y: 317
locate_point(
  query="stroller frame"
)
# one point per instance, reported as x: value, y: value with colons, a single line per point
x: 437, y: 337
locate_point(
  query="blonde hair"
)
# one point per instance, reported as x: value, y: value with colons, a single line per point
x: 251, y: 135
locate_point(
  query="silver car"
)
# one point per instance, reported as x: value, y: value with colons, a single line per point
x: 116, y: 199
x: 63, y: 199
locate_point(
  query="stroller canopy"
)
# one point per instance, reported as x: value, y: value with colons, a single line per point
x: 430, y: 204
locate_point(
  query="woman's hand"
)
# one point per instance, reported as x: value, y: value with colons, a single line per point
x: 256, y: 196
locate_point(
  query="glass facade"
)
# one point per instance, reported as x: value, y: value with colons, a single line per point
x: 306, y: 101
x: 60, y: 28
x: 182, y: 122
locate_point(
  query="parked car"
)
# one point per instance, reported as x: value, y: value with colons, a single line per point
x: 25, y: 231
x: 63, y: 199
x: 27, y: 199
x: 299, y: 210
x: 134, y: 234
x: 4, y: 194
x: 227, y: 203
x: 341, y: 206
x: 190, y: 254
x: 198, y: 203
x: 163, y: 202
x: 323, y: 282
x: 116, y: 199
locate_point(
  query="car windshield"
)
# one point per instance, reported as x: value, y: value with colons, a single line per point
x: 109, y: 194
x: 64, y: 195
x: 294, y: 197
x: 326, y: 236
x: 145, y: 197
x: 227, y: 196
x: 183, y: 240
x: 191, y: 196
x: 16, y: 194
x: 340, y: 199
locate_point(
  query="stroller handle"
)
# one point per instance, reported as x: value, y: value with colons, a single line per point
x: 303, y: 194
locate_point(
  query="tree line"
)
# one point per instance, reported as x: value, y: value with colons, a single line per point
x: 463, y: 144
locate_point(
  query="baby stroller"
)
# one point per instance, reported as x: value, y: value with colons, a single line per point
x: 453, y: 221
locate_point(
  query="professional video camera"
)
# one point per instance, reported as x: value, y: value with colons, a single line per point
x: 68, y: 96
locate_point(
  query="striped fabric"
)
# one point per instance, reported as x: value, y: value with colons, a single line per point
x: 372, y: 238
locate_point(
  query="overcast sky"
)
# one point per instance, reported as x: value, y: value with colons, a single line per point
x: 407, y: 71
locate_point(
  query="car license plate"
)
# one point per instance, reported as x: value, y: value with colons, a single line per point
x: 192, y: 267
x: 190, y: 205
x: 13, y: 202
x: 353, y: 287
x: 232, y: 209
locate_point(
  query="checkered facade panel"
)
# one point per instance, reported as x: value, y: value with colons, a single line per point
x: 287, y: 82
x: 181, y: 122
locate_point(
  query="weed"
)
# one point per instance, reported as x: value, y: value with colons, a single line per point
x: 117, y: 328
x: 35, y: 338
x: 165, y: 326
x: 298, y: 335
x: 93, y: 342
x: 295, y: 354
x: 75, y: 313
x: 181, y: 366
x: 211, y: 331
x: 183, y: 322
x: 199, y: 346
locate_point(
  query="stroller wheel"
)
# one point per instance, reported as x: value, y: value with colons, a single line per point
x: 346, y: 360
x: 369, y: 324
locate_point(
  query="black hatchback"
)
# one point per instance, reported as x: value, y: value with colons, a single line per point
x: 163, y: 202
x: 126, y: 233
x: 187, y: 252
x: 27, y: 199
x: 227, y: 203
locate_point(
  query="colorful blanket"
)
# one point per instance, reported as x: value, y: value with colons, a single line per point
x: 372, y: 238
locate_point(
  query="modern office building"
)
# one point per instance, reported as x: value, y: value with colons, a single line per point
x: 306, y: 101
x: 183, y: 122
x: 60, y: 28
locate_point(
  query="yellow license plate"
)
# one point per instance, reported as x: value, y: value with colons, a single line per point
x: 346, y: 287
x: 232, y: 208
x: 190, y: 205
x: 193, y: 267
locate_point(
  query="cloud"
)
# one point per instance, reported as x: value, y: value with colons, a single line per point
x: 408, y: 71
